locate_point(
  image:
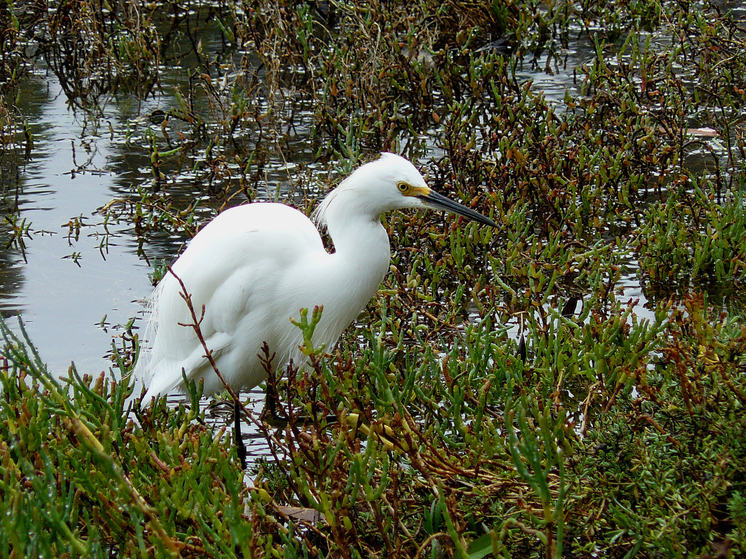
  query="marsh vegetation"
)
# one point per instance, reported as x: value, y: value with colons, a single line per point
x: 505, y: 395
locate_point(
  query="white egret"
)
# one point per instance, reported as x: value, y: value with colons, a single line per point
x: 255, y: 266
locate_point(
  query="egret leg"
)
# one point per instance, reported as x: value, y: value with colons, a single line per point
x: 272, y: 416
x: 241, y: 448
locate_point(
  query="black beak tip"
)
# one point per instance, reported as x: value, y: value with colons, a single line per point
x: 438, y: 201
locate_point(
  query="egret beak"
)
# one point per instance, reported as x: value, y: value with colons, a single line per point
x: 435, y: 200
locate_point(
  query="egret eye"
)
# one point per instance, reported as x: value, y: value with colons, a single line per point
x: 403, y: 187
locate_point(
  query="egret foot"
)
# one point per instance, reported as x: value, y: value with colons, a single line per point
x: 271, y: 416
x: 270, y: 413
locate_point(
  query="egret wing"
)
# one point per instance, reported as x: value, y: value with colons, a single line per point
x: 230, y: 273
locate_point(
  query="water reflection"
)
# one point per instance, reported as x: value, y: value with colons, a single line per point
x: 77, y: 279
x: 67, y: 282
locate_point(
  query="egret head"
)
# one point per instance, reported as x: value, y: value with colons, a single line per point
x: 388, y: 183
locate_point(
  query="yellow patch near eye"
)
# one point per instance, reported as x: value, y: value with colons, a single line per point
x: 409, y: 190
x: 418, y: 191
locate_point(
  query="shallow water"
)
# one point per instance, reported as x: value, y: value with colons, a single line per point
x: 74, y: 289
x: 69, y: 290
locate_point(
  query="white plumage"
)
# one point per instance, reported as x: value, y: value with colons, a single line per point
x: 255, y: 266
